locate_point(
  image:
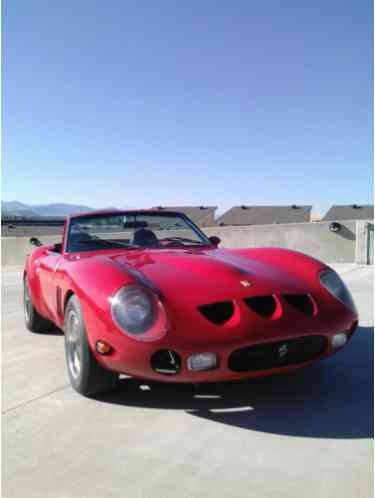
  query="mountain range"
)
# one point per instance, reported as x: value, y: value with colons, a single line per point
x: 16, y: 208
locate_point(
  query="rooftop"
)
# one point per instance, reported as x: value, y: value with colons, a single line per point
x: 265, y: 215
x: 351, y: 212
x: 203, y: 216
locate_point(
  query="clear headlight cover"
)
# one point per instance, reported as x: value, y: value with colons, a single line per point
x: 333, y: 283
x: 134, y: 310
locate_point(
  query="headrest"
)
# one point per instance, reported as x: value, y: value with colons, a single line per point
x: 145, y: 237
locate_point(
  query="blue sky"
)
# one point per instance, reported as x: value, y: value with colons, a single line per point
x: 187, y: 103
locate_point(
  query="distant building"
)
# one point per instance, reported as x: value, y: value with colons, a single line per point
x: 352, y: 212
x: 203, y: 216
x: 315, y: 217
x: 265, y: 215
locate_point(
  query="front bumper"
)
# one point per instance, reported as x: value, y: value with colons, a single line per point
x: 279, y: 355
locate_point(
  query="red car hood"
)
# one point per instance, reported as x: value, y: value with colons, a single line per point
x: 203, y: 276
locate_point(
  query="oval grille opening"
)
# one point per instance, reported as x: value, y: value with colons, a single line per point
x: 277, y: 354
x: 217, y: 313
x: 263, y: 305
x: 300, y: 302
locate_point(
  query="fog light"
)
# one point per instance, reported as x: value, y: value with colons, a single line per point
x: 202, y: 361
x: 339, y: 340
x: 103, y: 347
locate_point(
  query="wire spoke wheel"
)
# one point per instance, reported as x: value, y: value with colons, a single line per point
x: 26, y: 302
x: 86, y: 375
x: 73, y: 344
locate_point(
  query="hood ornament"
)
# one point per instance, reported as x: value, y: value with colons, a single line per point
x: 245, y: 283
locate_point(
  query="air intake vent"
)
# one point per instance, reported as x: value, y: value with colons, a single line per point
x: 217, y: 313
x: 301, y: 302
x: 166, y: 361
x: 263, y: 305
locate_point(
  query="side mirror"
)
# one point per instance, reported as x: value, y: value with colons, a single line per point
x: 335, y: 227
x: 215, y: 241
x: 35, y: 242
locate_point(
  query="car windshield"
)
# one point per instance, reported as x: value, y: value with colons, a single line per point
x: 131, y: 231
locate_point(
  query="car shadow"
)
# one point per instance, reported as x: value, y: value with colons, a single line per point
x: 53, y: 330
x: 346, y: 233
x: 331, y: 399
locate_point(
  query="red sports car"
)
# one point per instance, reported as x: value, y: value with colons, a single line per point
x: 146, y: 293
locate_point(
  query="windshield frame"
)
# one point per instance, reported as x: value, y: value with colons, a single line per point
x: 67, y: 232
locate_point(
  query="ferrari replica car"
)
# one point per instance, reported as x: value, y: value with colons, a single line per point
x: 147, y: 294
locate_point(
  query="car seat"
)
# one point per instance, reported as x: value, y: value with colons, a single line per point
x: 79, y: 241
x: 145, y: 238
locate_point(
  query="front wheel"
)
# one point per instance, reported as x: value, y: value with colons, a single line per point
x: 86, y: 375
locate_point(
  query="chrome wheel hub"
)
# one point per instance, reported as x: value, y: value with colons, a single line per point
x: 26, y: 301
x: 73, y: 344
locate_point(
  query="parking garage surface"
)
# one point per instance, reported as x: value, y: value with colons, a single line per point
x: 308, y: 434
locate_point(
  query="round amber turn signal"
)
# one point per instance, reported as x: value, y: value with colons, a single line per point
x: 103, y: 347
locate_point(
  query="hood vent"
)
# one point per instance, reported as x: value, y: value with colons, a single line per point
x: 265, y: 306
x: 217, y: 313
x: 301, y: 302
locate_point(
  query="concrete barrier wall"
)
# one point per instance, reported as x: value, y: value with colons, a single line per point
x: 30, y: 231
x: 15, y: 249
x: 349, y: 245
x: 314, y: 239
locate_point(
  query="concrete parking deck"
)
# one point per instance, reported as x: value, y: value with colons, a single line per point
x: 303, y: 435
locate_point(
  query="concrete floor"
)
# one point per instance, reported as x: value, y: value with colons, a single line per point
x: 304, y: 435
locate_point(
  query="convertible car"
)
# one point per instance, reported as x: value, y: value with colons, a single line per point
x: 148, y: 294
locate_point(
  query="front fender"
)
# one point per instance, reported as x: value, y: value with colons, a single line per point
x: 94, y: 283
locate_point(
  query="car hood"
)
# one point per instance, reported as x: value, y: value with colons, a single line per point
x: 203, y: 276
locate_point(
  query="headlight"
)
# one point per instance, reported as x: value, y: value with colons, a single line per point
x: 333, y: 283
x: 136, y: 311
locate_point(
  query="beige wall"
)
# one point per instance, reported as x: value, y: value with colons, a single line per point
x: 314, y: 239
x: 15, y: 249
x: 352, y: 244
x: 347, y: 246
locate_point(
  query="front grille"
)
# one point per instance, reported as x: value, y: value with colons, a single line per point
x: 301, y: 302
x: 277, y: 354
x: 262, y: 305
x: 217, y: 313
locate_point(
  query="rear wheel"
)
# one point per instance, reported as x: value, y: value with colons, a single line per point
x: 86, y: 375
x: 33, y: 320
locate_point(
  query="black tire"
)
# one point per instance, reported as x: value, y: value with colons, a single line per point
x: 33, y: 320
x: 86, y: 375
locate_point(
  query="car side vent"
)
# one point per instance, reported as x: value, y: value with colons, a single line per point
x: 301, y: 302
x: 217, y: 313
x: 263, y: 305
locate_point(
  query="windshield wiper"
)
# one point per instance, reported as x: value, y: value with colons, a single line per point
x: 109, y: 242
x: 182, y: 239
